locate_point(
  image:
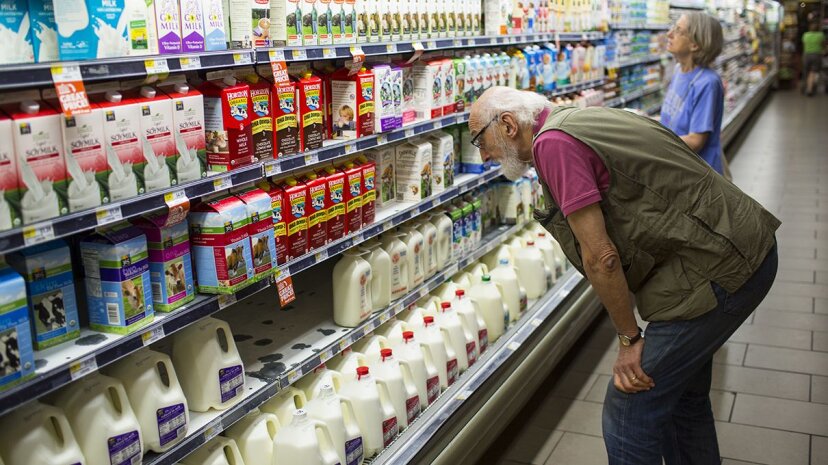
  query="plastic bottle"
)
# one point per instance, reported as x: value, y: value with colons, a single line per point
x: 416, y: 266
x: 312, y: 383
x: 254, y: 436
x: 514, y: 295
x: 493, y: 258
x: 338, y: 414
x: 102, y: 419
x: 380, y: 263
x: 218, y: 451
x: 392, y: 330
x: 374, y: 413
x: 446, y: 291
x: 208, y: 365
x: 489, y: 303
x: 531, y: 270
x: 463, y: 280
x: 462, y: 342
x: 423, y: 374
x: 400, y: 385
x: 371, y: 345
x: 477, y: 270
x: 443, y: 243
x: 439, y: 351
x: 548, y: 253
x: 472, y: 321
x: 352, y: 298
x: 156, y: 397
x: 306, y: 441
x: 545, y: 242
x: 285, y: 403
x: 38, y: 434
x: 347, y: 362
x: 430, y: 304
x: 398, y: 252
x: 429, y: 233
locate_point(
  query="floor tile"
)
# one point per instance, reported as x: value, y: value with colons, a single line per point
x: 819, y: 389
x: 533, y: 445
x: 769, y: 336
x: 593, y: 361
x: 794, y: 320
x: 799, y: 289
x: 820, y: 341
x: 737, y: 462
x: 795, y: 276
x: 762, y: 445
x: 778, y: 358
x: 574, y: 384
x: 786, y: 303
x: 821, y: 306
x: 820, y: 277
x: 787, y: 415
x: 819, y: 450
x: 722, y: 403
x: 599, y: 389
x: 762, y: 382
x: 575, y: 416
x: 579, y: 449
x: 731, y: 353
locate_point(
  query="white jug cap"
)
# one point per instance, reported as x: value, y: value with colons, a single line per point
x: 29, y: 106
x: 148, y: 92
x: 182, y: 88
x: 113, y: 96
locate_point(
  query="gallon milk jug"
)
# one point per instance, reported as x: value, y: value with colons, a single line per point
x: 515, y: 243
x: 493, y: 258
x: 398, y: 251
x: 416, y: 269
x: 338, y: 414
x: 352, y: 299
x: 429, y: 233
x: 412, y: 318
x: 380, y: 263
x: 371, y: 345
x: 548, y: 253
x: 531, y: 270
x: 463, y: 343
x: 39, y: 434
x: 298, y: 442
x: 525, y: 187
x: 102, y: 419
x: 489, y: 303
x: 346, y: 363
x: 430, y: 304
x: 402, y: 392
x: 472, y: 321
x: 156, y: 397
x: 443, y: 245
x: 217, y: 451
x: 424, y: 375
x: 477, y: 270
x: 208, y: 365
x: 374, y: 413
x: 514, y: 295
x: 392, y: 331
x: 254, y: 436
x: 312, y: 383
x: 545, y: 242
x: 285, y: 404
x: 463, y: 280
x: 446, y: 291
x: 438, y: 350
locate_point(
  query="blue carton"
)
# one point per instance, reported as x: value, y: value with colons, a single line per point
x: 16, y: 353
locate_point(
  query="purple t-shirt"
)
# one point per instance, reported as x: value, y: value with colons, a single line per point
x: 575, y: 174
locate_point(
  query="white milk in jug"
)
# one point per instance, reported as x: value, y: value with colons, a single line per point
x: 443, y: 242
x: 156, y: 396
x: 208, y: 365
x: 306, y: 441
x: 218, y: 451
x: 493, y: 258
x: 437, y: 349
x: 347, y: 362
x: 371, y: 345
x: 398, y: 252
x: 102, y: 419
x: 531, y: 270
x: 311, y: 384
x: 489, y: 303
x: 429, y: 233
x: 552, y: 254
x: 463, y: 280
x: 254, y: 436
x: 514, y: 295
x: 416, y: 251
x: 338, y: 414
x: 38, y: 434
x: 352, y: 299
x: 461, y: 341
x: 477, y: 270
x: 380, y: 263
x: 285, y: 404
x: 423, y: 374
x: 374, y: 412
x: 401, y: 390
x: 446, y: 291
x: 470, y: 318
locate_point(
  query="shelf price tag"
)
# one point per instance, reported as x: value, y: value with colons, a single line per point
x: 536, y: 322
x: 70, y: 90
x: 108, y: 215
x: 225, y: 300
x: 293, y: 376
x: 343, y: 344
x: 382, y: 139
x: 329, y: 53
x: 284, y: 288
x: 513, y: 346
x: 300, y: 54
x: 311, y: 158
x: 242, y: 59
x: 152, y: 335
x: 409, y: 133
x: 321, y: 255
x: 222, y: 183
x: 451, y: 270
x: 272, y: 169
x: 157, y: 69
x: 190, y: 63
x: 391, y: 48
x: 384, y: 318
x: 350, y: 148
x: 83, y: 367
x: 213, y: 429
x: 36, y: 234
x: 458, y: 42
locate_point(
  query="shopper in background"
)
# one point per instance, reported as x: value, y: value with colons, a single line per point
x: 694, y: 103
x: 813, y: 43
x: 635, y: 210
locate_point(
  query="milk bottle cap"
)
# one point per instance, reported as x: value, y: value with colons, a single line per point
x: 229, y: 80
x: 445, y: 306
x: 147, y: 92
x: 486, y: 278
x: 182, y: 88
x: 361, y: 372
x: 530, y: 243
x: 428, y: 320
x: 29, y: 107
x: 408, y: 336
x: 460, y: 293
x: 386, y: 353
x: 113, y: 96
x: 504, y: 261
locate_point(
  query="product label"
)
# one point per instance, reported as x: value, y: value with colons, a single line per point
x: 231, y: 382
x: 412, y: 408
x: 389, y: 431
x: 262, y: 124
x: 125, y: 449
x: 471, y: 352
x: 453, y: 370
x: 354, y: 451
x: 172, y: 423
x: 432, y: 389
x: 483, y: 336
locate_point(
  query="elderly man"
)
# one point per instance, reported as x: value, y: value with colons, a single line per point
x: 636, y: 210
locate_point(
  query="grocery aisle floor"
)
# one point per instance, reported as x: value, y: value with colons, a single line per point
x: 770, y: 381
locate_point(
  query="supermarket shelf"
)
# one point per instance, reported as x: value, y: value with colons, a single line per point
x: 686, y: 5
x: 734, y: 120
x: 59, y: 365
x: 725, y: 58
x: 642, y: 60
x: 652, y: 27
x: 260, y: 387
x: 635, y: 95
x: 68, y: 225
x: 574, y: 88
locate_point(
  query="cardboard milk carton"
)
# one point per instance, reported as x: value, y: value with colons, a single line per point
x: 310, y: 22
x: 43, y: 30
x: 91, y: 29
x: 353, y: 196
x: 325, y: 22
x: 363, y: 22
x: 122, y: 143
x: 397, y: 95
x: 405, y: 19
x: 352, y: 100
x: 428, y: 89
x: 192, y: 26
x: 385, y: 183
x: 237, y: 14
x: 337, y: 22
x: 384, y: 10
x: 350, y: 18
x: 319, y: 202
x: 461, y: 93
x: 50, y: 290
x: 261, y: 124
x: 413, y: 166
x: 384, y: 99
x: 470, y: 157
x: 9, y: 189
x: 409, y: 113
x: 369, y: 189
x: 442, y: 161
x: 168, y: 27
x: 227, y: 108
x: 335, y: 217
x: 15, y: 333
x: 157, y: 139
x: 220, y: 242
x: 277, y: 204
x: 15, y: 27
x: 296, y: 212
x: 188, y: 121
x: 283, y: 105
x: 118, y: 290
x: 449, y: 86
x: 215, y: 31
x: 286, y: 21
x: 310, y: 106
x: 261, y: 23
x: 260, y: 229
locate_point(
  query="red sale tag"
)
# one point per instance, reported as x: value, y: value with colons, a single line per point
x: 279, y: 67
x: 70, y: 90
x: 285, y: 289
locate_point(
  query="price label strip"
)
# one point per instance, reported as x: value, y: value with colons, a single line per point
x: 300, y: 54
x: 312, y: 158
x: 190, y: 63
x: 293, y: 376
x: 242, y: 59
x: 83, y: 367
x: 272, y: 169
x: 36, y: 234
x: 213, y: 429
x: 222, y: 183
x: 329, y: 53
x: 108, y: 215
x: 71, y: 92
x: 418, y: 52
x: 225, y: 300
x: 152, y: 335
x: 157, y: 69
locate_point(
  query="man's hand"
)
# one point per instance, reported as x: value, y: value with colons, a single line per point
x: 628, y: 376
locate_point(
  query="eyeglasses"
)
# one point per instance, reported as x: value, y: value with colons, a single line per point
x: 677, y: 30
x: 476, y: 139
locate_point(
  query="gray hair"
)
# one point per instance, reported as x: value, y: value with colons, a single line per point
x: 706, y: 32
x: 525, y: 105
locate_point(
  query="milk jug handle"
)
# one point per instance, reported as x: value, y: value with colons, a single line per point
x: 384, y: 391
x: 406, y: 365
x: 347, y: 404
x: 326, y: 433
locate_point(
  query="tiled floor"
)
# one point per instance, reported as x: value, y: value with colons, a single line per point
x: 770, y: 381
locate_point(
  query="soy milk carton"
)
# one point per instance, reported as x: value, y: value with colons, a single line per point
x: 227, y: 107
x: 336, y: 222
x: 277, y: 203
x: 215, y: 32
x: 428, y: 89
x: 15, y: 31
x: 9, y: 193
x: 385, y: 159
x: 122, y: 143
x: 43, y: 30
x: 118, y: 290
x: 352, y: 99
x: 157, y: 140
x: 413, y: 165
x: 50, y: 291
x: 192, y: 26
x: 296, y: 212
x: 188, y: 121
x: 220, y: 242
x: 260, y: 229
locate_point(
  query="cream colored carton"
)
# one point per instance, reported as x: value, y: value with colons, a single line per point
x: 413, y: 171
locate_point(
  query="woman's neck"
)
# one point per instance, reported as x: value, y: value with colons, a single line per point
x: 686, y: 63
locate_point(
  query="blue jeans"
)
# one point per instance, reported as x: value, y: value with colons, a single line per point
x: 674, y: 420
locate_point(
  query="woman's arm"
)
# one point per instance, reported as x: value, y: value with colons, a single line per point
x: 696, y: 140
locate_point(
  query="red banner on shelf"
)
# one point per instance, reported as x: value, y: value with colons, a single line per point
x: 71, y: 92
x: 286, y: 292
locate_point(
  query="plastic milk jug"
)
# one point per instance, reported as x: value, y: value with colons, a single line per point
x: 380, y: 263
x: 392, y: 331
x: 347, y: 362
x: 477, y: 271
x: 352, y: 299
x: 156, y: 397
x: 447, y: 291
x: 371, y: 345
x: 254, y: 436
x: 411, y: 317
x: 470, y: 318
x: 102, y: 419
x: 311, y: 384
x: 463, y: 280
x: 548, y: 254
x: 208, y: 365
x: 493, y: 258
x: 338, y: 414
x: 39, y: 434
x: 398, y: 252
x: 374, y: 412
x: 552, y: 254
x: 306, y: 441
x: 515, y: 243
x: 424, y: 375
x: 443, y: 243
x: 463, y: 343
x: 513, y: 293
x: 438, y: 350
x: 416, y: 256
x: 430, y: 305
x: 218, y: 451
x: 402, y: 392
x: 489, y: 303
x: 429, y: 233
x: 285, y: 404
x: 531, y: 270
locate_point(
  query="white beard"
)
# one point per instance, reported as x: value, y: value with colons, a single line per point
x: 510, y: 163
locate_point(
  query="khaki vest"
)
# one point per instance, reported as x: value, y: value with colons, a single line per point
x: 676, y: 223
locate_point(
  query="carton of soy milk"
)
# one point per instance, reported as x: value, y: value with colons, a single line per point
x: 122, y: 143
x: 157, y: 140
x: 9, y: 195
x: 118, y: 290
x: 86, y: 165
x: 227, y: 108
x: 188, y: 120
x: 41, y: 165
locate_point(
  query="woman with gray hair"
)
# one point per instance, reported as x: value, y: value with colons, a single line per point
x: 694, y: 103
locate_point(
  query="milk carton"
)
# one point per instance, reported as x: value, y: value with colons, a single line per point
x: 50, y: 290
x: 91, y: 29
x: 168, y: 26
x: 277, y: 209
x: 286, y: 21
x: 157, y: 140
x: 461, y: 93
x: 118, y: 290
x: 261, y: 124
x: 319, y: 202
x: 352, y: 99
x: 237, y: 14
x: 220, y: 242
x: 15, y: 33
x: 384, y: 10
x: 428, y: 89
x: 41, y: 165
x: 395, y: 13
x: 442, y: 161
x: 369, y: 189
x: 449, y: 86
x: 227, y: 108
x: 409, y: 113
x: 192, y: 26
x: 325, y: 22
x: 260, y: 229
x: 433, y: 19
x: 15, y: 332
x: 353, y: 196
x: 260, y: 12
x: 470, y: 157
x: 335, y: 180
x: 296, y: 213
x: 349, y: 16
x: 397, y: 95
x: 215, y: 32
x: 43, y: 30
x: 363, y: 22
x: 9, y: 193
x: 413, y: 176
x: 384, y: 99
x: 310, y: 105
x: 285, y: 118
x: 142, y: 35
x: 385, y: 159
x: 188, y: 121
x: 337, y: 22
x: 170, y: 261
x: 122, y: 143
x: 405, y: 19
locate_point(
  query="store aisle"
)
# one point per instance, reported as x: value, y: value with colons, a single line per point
x: 770, y: 380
